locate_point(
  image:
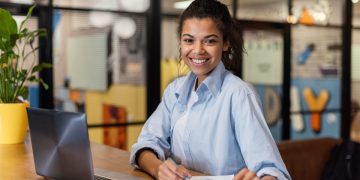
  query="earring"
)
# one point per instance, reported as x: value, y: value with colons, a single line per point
x: 230, y: 51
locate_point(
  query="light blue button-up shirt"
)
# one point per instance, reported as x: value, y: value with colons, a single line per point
x: 226, y: 130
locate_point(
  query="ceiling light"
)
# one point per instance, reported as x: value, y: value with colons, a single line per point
x: 125, y: 27
x: 355, y: 1
x: 101, y: 19
x: 182, y: 4
x: 135, y: 5
x: 22, y: 1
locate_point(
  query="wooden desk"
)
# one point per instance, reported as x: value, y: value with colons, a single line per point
x: 16, y: 161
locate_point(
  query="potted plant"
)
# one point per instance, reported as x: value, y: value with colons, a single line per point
x: 16, y: 48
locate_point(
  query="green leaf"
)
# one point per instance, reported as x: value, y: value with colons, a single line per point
x: 42, y: 32
x: 32, y: 78
x: 13, y: 79
x: 23, y: 23
x: 13, y: 39
x: 24, y: 92
x: 8, y: 24
x: 40, y: 67
x: 2, y: 43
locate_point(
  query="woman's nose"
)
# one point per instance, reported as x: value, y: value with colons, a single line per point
x: 199, y: 48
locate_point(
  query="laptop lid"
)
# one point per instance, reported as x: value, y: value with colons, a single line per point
x: 60, y: 144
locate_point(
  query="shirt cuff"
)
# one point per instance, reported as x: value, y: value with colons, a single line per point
x: 157, y: 151
x: 272, y: 171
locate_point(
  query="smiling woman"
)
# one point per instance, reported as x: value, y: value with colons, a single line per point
x: 201, y: 46
x: 209, y: 121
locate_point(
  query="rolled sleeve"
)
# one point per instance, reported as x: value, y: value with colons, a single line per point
x: 254, y: 137
x: 156, y: 132
x: 136, y: 148
x: 273, y: 171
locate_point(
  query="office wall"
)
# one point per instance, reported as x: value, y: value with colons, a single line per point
x: 97, y: 66
x: 129, y: 96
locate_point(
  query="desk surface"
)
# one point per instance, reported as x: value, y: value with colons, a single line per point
x: 16, y: 161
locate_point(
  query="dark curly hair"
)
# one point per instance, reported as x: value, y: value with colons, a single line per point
x: 226, y: 24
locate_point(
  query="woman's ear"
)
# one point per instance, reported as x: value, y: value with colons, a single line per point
x: 226, y: 46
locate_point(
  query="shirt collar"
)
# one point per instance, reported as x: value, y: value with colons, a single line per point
x: 213, y: 82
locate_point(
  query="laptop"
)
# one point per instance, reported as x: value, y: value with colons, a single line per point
x: 61, y: 146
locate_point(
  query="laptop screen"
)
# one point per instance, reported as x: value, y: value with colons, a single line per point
x: 60, y: 144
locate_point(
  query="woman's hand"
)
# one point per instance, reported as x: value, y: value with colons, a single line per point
x: 246, y: 174
x: 169, y: 170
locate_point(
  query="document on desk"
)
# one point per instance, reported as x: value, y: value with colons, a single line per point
x: 227, y: 177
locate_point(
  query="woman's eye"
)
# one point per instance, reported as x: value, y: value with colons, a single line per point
x: 188, y: 40
x: 210, y: 41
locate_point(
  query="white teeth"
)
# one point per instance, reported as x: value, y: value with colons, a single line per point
x: 198, y: 61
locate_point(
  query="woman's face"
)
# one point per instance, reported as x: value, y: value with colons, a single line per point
x: 201, y: 45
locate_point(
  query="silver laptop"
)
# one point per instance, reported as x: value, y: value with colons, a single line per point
x: 61, y: 146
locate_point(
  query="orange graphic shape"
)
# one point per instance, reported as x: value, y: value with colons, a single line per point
x: 114, y: 136
x: 306, y: 18
x: 317, y: 104
x: 315, y: 122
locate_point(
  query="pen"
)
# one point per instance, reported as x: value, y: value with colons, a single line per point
x: 173, y: 161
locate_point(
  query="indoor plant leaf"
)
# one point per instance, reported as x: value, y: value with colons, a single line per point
x: 23, y: 23
x: 41, y: 67
x: 13, y: 75
x: 8, y: 24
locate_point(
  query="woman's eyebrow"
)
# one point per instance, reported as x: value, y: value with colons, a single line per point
x: 212, y: 35
x: 187, y: 35
x: 208, y: 36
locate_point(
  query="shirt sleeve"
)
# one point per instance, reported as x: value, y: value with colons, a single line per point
x: 156, y: 131
x: 257, y: 145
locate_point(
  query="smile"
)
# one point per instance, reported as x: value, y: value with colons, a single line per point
x: 199, y: 61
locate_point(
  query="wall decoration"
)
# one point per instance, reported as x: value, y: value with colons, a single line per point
x: 323, y: 95
x: 270, y: 97
x: 316, y: 104
x: 263, y: 60
x: 324, y: 61
x: 321, y: 11
x: 297, y: 121
x: 331, y: 118
x: 90, y: 51
x: 306, y: 17
x: 272, y: 106
x: 303, y: 56
x: 114, y: 136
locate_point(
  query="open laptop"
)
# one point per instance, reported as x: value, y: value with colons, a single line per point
x: 61, y: 146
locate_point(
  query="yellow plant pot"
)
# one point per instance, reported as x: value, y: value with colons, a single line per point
x: 13, y: 123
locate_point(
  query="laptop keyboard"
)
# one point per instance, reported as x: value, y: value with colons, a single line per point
x: 101, y: 178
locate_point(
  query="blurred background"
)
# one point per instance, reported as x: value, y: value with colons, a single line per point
x: 113, y: 58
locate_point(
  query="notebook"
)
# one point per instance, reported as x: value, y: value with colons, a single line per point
x: 61, y: 146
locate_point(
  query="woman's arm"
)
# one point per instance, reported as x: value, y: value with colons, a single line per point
x: 257, y: 145
x: 148, y: 161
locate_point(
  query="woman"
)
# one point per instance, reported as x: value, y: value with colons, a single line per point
x: 209, y: 121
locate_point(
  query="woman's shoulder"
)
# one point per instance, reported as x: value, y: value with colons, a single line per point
x: 174, y: 85
x: 176, y: 82
x: 235, y: 84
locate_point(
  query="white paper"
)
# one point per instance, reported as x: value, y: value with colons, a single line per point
x: 227, y: 177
